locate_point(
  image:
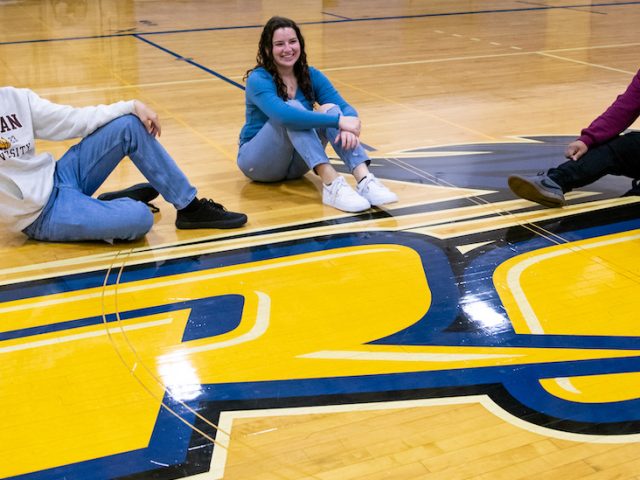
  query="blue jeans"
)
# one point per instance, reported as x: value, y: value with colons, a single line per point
x: 277, y: 153
x: 71, y: 214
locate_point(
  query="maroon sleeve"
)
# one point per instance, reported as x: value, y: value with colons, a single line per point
x: 617, y: 118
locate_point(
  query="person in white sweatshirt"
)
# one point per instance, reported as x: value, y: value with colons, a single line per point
x: 52, y: 200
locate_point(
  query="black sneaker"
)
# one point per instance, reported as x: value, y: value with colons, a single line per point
x: 635, y: 189
x: 142, y: 192
x: 537, y: 188
x: 209, y: 214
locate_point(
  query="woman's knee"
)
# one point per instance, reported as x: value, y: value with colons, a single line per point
x: 259, y: 169
x: 260, y: 174
x: 329, y: 108
x: 295, y: 104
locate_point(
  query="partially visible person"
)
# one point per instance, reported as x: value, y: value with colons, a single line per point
x: 52, y: 200
x: 600, y: 150
x: 284, y: 136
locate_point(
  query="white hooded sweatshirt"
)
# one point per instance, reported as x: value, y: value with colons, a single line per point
x: 26, y: 177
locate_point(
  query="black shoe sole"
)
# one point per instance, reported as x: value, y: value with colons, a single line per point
x: 236, y: 222
x: 525, y: 189
x: 142, y: 192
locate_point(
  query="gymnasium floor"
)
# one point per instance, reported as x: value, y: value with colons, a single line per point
x: 461, y: 333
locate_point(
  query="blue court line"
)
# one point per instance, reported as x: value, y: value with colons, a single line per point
x: 191, y: 62
x: 337, y: 16
x: 339, y: 20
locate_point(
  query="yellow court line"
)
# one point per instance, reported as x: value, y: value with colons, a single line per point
x: 478, y: 201
x: 71, y: 91
x: 594, y: 47
x: 82, y: 336
x: 174, y: 250
x: 527, y: 220
x: 425, y: 150
x: 423, y: 62
x: 389, y: 356
x: 470, y: 356
x: 589, y: 64
x: 495, y: 207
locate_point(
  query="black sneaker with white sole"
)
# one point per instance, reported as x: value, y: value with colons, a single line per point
x: 208, y: 214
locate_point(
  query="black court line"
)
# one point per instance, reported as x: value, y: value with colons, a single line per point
x: 568, y: 8
x: 339, y: 20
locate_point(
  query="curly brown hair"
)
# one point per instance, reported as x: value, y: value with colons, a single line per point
x: 264, y: 58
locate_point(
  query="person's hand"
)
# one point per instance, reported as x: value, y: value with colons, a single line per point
x: 348, y: 140
x: 349, y: 124
x: 148, y: 117
x: 575, y: 150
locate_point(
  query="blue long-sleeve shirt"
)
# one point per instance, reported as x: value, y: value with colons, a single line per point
x: 263, y: 103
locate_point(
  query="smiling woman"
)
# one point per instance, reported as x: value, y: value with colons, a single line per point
x: 285, y: 136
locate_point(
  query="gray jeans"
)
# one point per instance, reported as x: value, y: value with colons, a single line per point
x: 277, y: 153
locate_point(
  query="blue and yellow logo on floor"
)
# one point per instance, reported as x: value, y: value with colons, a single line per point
x: 117, y: 362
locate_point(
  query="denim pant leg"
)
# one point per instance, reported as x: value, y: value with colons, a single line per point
x: 620, y: 156
x: 270, y: 156
x: 100, y: 153
x: 71, y: 214
x: 351, y: 158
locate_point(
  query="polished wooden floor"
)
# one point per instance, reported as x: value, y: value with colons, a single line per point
x: 459, y: 334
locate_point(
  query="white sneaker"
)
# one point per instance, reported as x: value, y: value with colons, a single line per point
x: 341, y: 196
x: 375, y: 192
